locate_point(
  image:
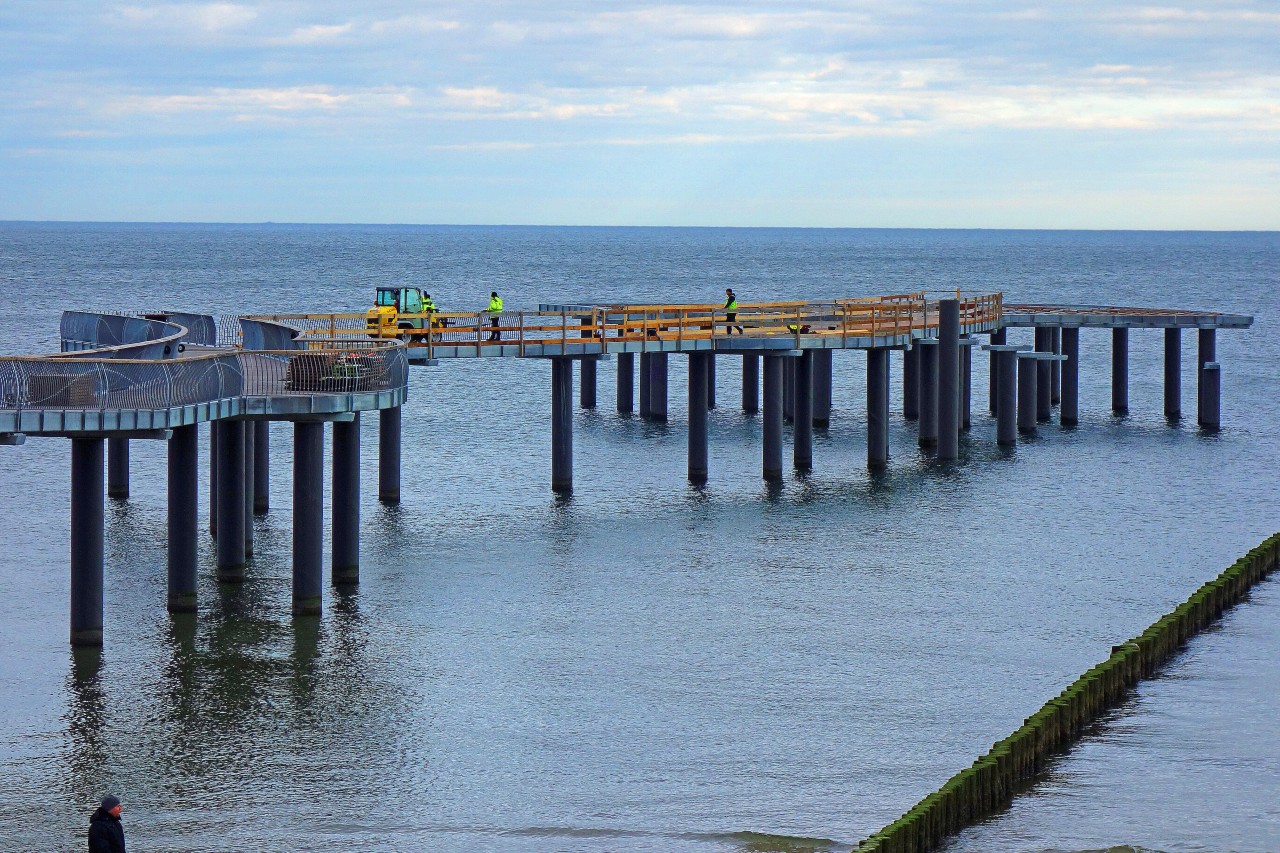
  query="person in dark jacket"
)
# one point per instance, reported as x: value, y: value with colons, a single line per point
x: 106, y: 833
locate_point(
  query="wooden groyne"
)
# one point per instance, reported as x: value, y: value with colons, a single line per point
x: 990, y: 783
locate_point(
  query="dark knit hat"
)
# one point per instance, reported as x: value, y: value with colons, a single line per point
x: 109, y: 802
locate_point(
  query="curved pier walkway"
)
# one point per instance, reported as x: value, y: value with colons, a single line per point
x: 158, y: 376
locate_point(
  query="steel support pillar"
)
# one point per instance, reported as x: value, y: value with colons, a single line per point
x: 802, y: 429
x: 345, y: 524
x: 789, y: 389
x: 646, y: 384
x: 1211, y: 397
x: 1044, y: 377
x: 389, y: 455
x: 658, y: 387
x: 626, y: 382
x: 822, y: 387
x: 213, y: 478
x: 118, y: 468
x: 993, y: 393
x: 948, y: 348
x: 1028, y: 391
x: 877, y: 408
x: 231, y: 499
x: 1173, y: 373
x: 711, y: 383
x: 699, y: 380
x: 1120, y: 371
x: 1208, y: 352
x: 1055, y: 396
x: 1006, y: 395
x: 911, y: 383
x: 88, y: 538
x: 262, y: 467
x: 1069, y: 410
x: 927, y: 371
x: 561, y: 424
x: 750, y: 383
x: 183, y: 467
x: 772, y: 416
x: 966, y: 383
x: 250, y: 431
x: 587, y: 383
x: 308, y: 516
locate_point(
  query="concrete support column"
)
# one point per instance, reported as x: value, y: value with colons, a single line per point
x: 711, y: 383
x: 213, y: 478
x: 772, y: 416
x: 1208, y: 352
x: 1211, y: 397
x: 658, y: 387
x: 308, y: 516
x: 183, y: 466
x: 877, y: 408
x: 927, y: 368
x: 948, y: 379
x: 1173, y: 373
x: 966, y: 383
x: 1120, y: 371
x: 802, y: 429
x: 118, y: 468
x: 911, y: 383
x: 345, y: 522
x: 1055, y: 395
x: 1044, y: 376
x: 262, y: 467
x: 250, y: 431
x: 699, y: 379
x: 231, y: 498
x: 1007, y: 395
x: 1028, y: 385
x: 626, y: 382
x: 1069, y: 412
x: 389, y: 455
x: 88, y: 538
x: 587, y: 383
x: 789, y: 390
x: 646, y: 382
x: 561, y: 425
x: 822, y: 387
x: 750, y: 383
x: 997, y: 339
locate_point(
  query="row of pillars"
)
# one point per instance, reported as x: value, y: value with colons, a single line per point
x: 239, y: 467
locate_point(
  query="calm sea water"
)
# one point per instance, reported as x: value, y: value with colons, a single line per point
x: 651, y: 666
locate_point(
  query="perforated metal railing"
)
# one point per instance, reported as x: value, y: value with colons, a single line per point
x: 339, y: 367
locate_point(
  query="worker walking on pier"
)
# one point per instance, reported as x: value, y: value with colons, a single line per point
x: 106, y: 833
x: 731, y: 311
x: 495, y: 312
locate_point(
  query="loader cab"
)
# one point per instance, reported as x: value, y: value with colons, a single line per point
x: 405, y: 300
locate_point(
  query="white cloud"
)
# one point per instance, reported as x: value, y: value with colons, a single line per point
x: 315, y: 34
x: 204, y: 17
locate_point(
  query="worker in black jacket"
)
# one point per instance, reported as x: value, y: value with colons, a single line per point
x: 106, y: 833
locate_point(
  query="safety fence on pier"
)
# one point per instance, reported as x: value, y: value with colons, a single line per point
x: 992, y: 781
x: 913, y: 314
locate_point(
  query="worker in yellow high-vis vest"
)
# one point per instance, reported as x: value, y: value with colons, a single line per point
x: 731, y: 311
x: 495, y: 315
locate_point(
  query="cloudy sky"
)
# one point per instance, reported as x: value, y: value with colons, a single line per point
x: 904, y: 113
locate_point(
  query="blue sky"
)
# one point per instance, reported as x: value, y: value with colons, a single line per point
x: 974, y: 114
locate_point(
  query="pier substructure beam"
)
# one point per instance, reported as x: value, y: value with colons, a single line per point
x: 213, y: 479
x: 231, y: 500
x: 389, y: 455
x: 1120, y: 371
x: 948, y: 348
x: 774, y: 366
x: 927, y: 368
x: 646, y: 382
x: 658, y: 386
x: 966, y: 382
x: 308, y: 516
x: 877, y: 408
x: 346, y: 502
x: 750, y: 383
x: 118, y: 468
x: 802, y: 429
x: 822, y: 387
x: 1208, y: 352
x: 561, y: 424
x: 1173, y: 373
x: 88, y: 538
x: 1055, y: 397
x: 998, y: 338
x: 626, y: 382
x: 711, y: 383
x: 1044, y: 379
x: 911, y: 383
x: 250, y: 431
x: 262, y: 467
x: 183, y: 467
x: 1069, y: 410
x: 1028, y: 382
x: 699, y: 380
x: 1211, y: 397
x: 587, y: 383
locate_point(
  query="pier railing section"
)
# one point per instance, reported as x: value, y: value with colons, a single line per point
x: 86, y: 335
x: 910, y: 314
x: 338, y: 367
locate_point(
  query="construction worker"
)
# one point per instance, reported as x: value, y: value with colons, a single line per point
x: 428, y: 307
x: 731, y: 311
x: 495, y: 312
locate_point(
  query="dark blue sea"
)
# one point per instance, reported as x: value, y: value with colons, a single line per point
x: 650, y: 666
